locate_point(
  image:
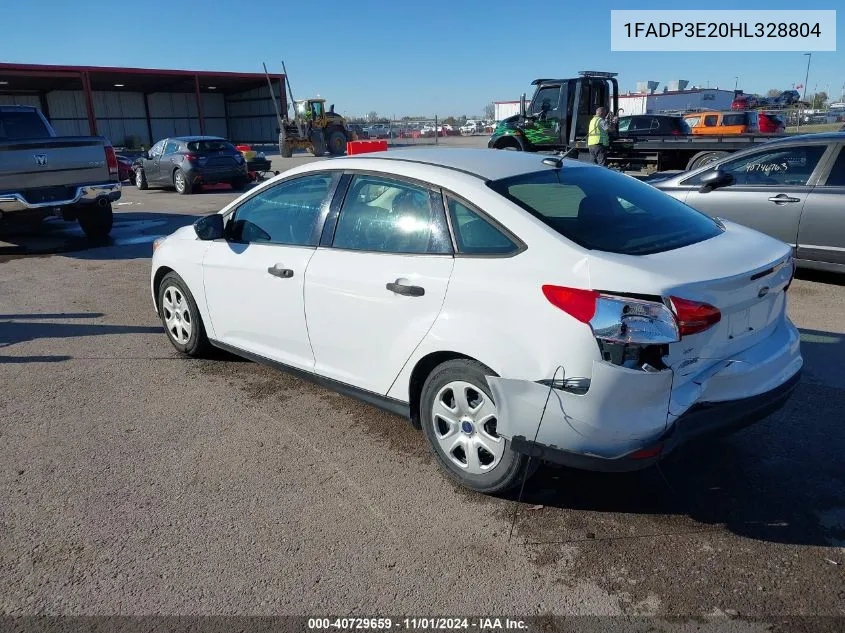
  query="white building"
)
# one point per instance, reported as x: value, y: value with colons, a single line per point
x: 504, y: 109
x: 675, y: 101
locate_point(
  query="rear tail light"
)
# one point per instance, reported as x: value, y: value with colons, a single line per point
x: 676, y: 133
x: 111, y: 160
x: 694, y: 316
x: 619, y: 319
x: 577, y: 303
x: 190, y: 157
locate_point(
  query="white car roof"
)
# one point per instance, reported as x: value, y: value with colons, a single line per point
x: 489, y: 164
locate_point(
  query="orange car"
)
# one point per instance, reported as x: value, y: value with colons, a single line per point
x: 724, y: 123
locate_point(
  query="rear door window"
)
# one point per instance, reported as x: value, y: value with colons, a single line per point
x: 836, y: 177
x: 711, y: 120
x: 391, y: 216
x: 606, y: 211
x: 734, y: 119
x: 475, y: 235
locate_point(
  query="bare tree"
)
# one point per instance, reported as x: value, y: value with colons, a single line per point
x: 773, y: 92
x: 819, y: 99
x: 489, y: 111
x: 372, y: 115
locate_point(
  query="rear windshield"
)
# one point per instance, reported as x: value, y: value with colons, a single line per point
x: 606, y: 211
x: 210, y: 146
x: 21, y: 125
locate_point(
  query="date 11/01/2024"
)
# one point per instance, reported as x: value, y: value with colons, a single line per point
x: 417, y: 624
x: 721, y: 29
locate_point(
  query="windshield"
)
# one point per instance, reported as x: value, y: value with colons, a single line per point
x: 603, y: 210
x: 210, y: 146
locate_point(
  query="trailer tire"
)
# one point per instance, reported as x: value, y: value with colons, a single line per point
x: 704, y: 158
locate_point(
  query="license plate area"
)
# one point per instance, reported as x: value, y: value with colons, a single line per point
x: 746, y: 322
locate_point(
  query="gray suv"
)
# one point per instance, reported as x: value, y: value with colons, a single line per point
x: 791, y: 188
x: 187, y: 162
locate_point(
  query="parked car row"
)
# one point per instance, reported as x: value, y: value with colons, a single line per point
x: 783, y: 100
x: 701, y: 123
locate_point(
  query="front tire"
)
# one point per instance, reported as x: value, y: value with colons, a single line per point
x: 458, y: 417
x: 181, y: 318
x: 181, y: 182
x: 96, y: 221
x: 337, y: 143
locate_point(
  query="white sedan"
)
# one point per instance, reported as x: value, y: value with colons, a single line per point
x: 509, y: 304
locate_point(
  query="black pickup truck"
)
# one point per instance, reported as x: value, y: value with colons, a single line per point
x: 42, y: 174
x: 558, y: 115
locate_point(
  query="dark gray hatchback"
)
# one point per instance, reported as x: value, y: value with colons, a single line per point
x: 186, y: 162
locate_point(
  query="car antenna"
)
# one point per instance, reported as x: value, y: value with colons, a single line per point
x: 536, y: 433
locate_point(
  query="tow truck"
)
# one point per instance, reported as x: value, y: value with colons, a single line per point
x: 560, y: 111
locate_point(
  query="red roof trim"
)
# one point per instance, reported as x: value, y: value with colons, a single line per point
x: 132, y: 71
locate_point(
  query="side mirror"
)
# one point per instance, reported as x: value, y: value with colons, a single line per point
x: 715, y: 180
x: 209, y: 227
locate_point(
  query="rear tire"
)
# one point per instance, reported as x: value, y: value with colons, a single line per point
x: 141, y: 179
x: 181, y: 318
x: 240, y: 184
x: 96, y: 221
x: 458, y: 417
x: 181, y: 182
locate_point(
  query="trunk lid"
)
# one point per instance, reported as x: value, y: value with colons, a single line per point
x: 32, y: 164
x: 741, y: 272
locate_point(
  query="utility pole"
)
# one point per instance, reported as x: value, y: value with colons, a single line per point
x: 809, y: 57
x: 736, y: 83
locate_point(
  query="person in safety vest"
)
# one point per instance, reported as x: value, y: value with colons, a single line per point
x: 598, y: 139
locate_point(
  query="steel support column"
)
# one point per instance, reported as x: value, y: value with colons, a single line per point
x: 199, y: 103
x: 89, y: 103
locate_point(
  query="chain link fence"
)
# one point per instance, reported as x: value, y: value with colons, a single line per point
x: 423, y: 131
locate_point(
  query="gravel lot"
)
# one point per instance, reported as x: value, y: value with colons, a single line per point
x: 135, y: 481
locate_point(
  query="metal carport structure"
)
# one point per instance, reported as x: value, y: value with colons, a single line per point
x: 141, y: 105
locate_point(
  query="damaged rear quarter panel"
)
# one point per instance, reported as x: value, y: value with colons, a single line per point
x: 622, y: 410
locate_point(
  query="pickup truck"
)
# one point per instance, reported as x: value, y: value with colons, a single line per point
x: 43, y: 174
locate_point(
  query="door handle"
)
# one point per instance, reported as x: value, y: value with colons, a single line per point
x: 783, y: 199
x: 277, y: 271
x: 404, y: 289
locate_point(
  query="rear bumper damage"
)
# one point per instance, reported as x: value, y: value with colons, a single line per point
x: 630, y: 419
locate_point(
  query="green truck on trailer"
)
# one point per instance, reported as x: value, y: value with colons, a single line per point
x: 557, y: 117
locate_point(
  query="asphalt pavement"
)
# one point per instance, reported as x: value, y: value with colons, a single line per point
x: 136, y: 481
